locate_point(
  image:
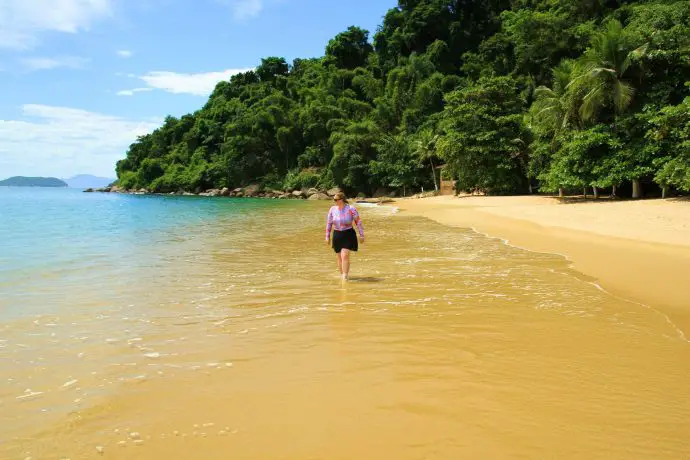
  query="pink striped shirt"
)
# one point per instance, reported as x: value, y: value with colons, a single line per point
x: 342, y: 219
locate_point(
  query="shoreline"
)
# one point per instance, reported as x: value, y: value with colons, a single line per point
x: 635, y: 250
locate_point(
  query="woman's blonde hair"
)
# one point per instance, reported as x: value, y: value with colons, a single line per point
x: 340, y: 196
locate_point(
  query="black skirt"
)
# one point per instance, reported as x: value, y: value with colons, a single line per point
x: 346, y: 239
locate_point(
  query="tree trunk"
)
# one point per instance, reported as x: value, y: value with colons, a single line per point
x: 664, y: 191
x: 584, y: 192
x: 561, y: 192
x: 637, y: 188
x: 613, y: 191
x: 433, y: 173
x: 596, y: 192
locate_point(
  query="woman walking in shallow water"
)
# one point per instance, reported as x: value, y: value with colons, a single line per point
x: 340, y: 219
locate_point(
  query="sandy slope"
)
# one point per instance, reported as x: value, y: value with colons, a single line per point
x: 639, y: 250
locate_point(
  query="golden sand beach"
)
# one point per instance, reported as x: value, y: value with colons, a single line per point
x: 639, y: 250
x: 445, y: 344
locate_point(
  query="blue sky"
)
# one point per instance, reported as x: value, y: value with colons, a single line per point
x: 81, y: 79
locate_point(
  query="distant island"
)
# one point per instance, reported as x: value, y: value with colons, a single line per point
x: 21, y: 181
x: 88, y: 181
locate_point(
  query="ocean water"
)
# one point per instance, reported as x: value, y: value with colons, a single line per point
x: 186, y: 327
x: 62, y: 243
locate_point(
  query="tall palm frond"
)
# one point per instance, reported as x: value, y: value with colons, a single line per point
x: 603, y: 69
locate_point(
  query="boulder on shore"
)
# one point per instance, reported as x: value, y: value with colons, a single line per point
x: 319, y: 196
x: 251, y: 190
x: 333, y: 191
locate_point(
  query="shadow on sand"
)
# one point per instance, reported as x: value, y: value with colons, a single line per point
x: 365, y: 279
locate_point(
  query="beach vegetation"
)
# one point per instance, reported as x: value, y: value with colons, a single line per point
x: 511, y: 96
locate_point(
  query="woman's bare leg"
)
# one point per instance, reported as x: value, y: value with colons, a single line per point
x: 345, y: 255
x: 340, y: 263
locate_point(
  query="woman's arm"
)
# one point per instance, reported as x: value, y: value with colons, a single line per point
x: 358, y: 221
x: 329, y: 224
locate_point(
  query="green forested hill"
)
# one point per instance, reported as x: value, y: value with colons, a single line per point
x: 21, y: 181
x: 511, y: 95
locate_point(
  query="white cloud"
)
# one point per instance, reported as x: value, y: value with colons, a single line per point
x: 22, y: 21
x: 44, y: 63
x: 61, y: 141
x: 199, y: 84
x: 243, y: 9
x: 124, y: 53
x: 130, y: 92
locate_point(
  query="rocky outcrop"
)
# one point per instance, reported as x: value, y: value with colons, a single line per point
x: 211, y: 192
x: 102, y: 189
x: 250, y: 191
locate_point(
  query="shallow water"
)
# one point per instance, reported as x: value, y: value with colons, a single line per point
x: 219, y: 328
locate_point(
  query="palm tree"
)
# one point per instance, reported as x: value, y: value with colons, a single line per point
x: 552, y: 108
x: 604, y: 67
x: 425, y: 148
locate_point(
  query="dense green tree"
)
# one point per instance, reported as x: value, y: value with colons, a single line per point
x: 349, y: 49
x: 670, y: 132
x: 395, y: 165
x: 480, y: 126
x: 511, y: 95
x: 272, y: 68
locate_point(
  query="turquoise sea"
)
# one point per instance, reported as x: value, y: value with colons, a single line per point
x: 90, y: 282
x: 61, y: 244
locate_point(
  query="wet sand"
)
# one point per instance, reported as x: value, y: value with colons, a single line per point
x: 445, y: 344
x: 638, y: 250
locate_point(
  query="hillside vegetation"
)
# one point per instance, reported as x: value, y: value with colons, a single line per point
x: 512, y: 96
